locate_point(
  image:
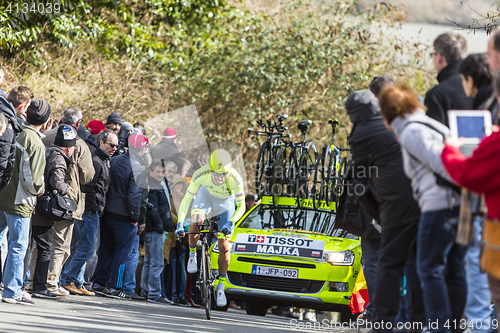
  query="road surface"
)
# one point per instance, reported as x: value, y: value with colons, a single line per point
x: 100, y: 314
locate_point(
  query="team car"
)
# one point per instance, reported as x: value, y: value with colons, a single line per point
x: 290, y: 254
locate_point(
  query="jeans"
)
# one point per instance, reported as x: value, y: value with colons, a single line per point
x: 153, y: 265
x: 92, y: 262
x: 477, y: 308
x: 178, y: 261
x: 19, y: 232
x: 85, y: 232
x: 441, y: 268
x: 370, y: 248
x: 117, y: 239
x: 129, y: 282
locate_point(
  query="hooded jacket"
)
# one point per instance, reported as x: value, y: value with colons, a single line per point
x: 27, y: 182
x: 8, y: 141
x: 96, y: 190
x: 422, y: 147
x: 377, y: 162
x: 449, y: 94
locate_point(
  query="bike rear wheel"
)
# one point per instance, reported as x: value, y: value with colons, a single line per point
x: 279, y: 175
x: 340, y: 180
x: 261, y: 170
x: 306, y: 169
x: 330, y: 174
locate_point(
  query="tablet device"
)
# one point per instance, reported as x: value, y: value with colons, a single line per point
x: 472, y: 125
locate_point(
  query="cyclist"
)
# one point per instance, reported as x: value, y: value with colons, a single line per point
x: 218, y: 188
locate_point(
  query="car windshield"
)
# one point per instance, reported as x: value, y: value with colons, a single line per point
x: 268, y: 217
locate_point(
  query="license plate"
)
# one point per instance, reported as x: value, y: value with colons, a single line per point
x: 275, y: 271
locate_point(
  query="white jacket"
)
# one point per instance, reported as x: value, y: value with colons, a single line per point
x: 422, y: 147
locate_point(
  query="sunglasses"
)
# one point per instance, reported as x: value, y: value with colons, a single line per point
x: 432, y: 54
x: 112, y: 145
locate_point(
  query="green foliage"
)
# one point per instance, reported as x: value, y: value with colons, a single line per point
x: 141, y: 58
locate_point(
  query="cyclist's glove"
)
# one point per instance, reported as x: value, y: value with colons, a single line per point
x: 227, y: 229
x: 180, y: 229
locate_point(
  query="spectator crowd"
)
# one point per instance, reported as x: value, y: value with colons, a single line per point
x: 80, y: 204
x: 83, y: 204
x: 429, y: 216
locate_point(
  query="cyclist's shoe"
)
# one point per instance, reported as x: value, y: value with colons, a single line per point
x: 180, y: 229
x: 227, y: 229
x: 192, y: 266
x: 221, y: 298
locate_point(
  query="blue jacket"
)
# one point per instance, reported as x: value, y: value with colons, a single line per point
x: 128, y: 176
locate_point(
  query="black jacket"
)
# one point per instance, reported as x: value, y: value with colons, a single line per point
x: 55, y: 173
x: 95, y: 191
x: 92, y: 142
x: 8, y: 141
x: 447, y: 95
x: 159, y: 216
x: 378, y: 163
x: 123, y: 200
x: 350, y: 216
x: 167, y: 150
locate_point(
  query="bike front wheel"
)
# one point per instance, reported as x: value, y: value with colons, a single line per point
x: 207, y: 294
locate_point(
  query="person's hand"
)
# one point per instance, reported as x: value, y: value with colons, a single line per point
x: 457, y: 143
x: 141, y: 229
x: 203, y: 159
x: 179, y: 231
x: 227, y: 229
x: 134, y: 223
x: 494, y: 128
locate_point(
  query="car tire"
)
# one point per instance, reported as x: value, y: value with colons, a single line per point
x: 256, y: 309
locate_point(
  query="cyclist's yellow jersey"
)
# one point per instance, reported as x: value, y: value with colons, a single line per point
x: 232, y: 186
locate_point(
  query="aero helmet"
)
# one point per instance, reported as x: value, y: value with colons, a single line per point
x: 220, y: 161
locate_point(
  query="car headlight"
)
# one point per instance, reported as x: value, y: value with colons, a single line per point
x: 339, y: 258
x: 216, y: 247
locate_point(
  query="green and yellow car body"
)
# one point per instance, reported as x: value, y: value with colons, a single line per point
x: 287, y: 266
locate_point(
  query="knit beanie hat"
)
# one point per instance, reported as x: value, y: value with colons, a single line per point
x: 114, y: 118
x: 170, y: 133
x: 65, y: 136
x: 96, y: 126
x: 38, y: 112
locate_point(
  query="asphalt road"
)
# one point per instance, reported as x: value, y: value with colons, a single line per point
x: 100, y: 314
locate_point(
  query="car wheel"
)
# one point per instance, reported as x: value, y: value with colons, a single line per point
x: 256, y: 309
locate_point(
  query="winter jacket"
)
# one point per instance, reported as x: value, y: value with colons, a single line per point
x: 480, y: 172
x: 378, y: 164
x: 92, y: 142
x: 123, y: 200
x: 350, y: 216
x: 8, y: 141
x: 55, y: 175
x: 80, y: 172
x: 27, y: 181
x: 95, y: 191
x: 159, y: 217
x: 448, y: 95
x: 422, y: 147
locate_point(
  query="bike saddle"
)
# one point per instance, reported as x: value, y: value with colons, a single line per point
x: 304, y: 125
